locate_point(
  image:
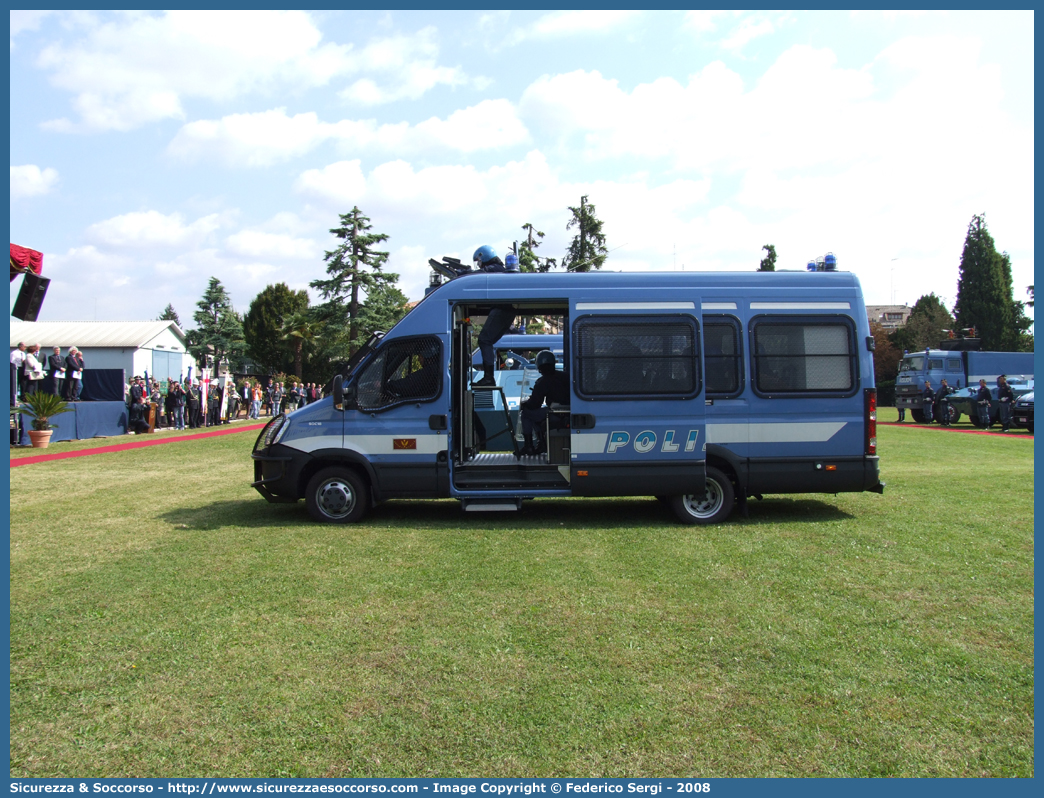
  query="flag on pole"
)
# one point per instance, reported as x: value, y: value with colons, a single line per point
x: 204, y: 384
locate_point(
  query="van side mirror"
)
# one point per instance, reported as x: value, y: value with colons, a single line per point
x: 343, y: 399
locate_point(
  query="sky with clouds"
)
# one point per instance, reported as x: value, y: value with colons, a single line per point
x: 151, y: 151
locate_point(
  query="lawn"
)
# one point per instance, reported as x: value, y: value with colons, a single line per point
x: 167, y: 621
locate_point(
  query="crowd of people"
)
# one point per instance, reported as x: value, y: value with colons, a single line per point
x: 32, y: 371
x: 180, y: 404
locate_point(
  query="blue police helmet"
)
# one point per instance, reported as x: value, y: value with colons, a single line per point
x: 484, y: 255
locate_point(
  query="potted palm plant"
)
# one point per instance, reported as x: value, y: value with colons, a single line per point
x: 40, y: 407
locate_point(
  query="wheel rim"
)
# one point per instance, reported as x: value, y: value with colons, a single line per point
x: 708, y: 506
x: 335, y: 498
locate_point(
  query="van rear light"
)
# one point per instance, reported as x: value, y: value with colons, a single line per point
x: 870, y: 420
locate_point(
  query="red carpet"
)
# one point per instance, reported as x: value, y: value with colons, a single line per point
x: 134, y: 444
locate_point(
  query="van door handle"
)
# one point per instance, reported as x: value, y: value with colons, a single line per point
x: 582, y: 421
x: 436, y: 422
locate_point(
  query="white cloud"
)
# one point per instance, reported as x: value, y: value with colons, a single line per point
x: 562, y: 24
x: 138, y: 68
x: 258, y: 244
x: 269, y: 137
x: 32, y: 181
x: 26, y: 20
x: 151, y: 229
x: 408, y: 66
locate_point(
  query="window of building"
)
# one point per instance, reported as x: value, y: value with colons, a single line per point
x: 637, y: 356
x: 795, y: 356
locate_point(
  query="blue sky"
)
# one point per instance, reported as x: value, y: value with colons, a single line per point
x: 151, y: 151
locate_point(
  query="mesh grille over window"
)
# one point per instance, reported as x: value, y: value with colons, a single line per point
x: 721, y: 350
x: 796, y: 357
x: 408, y: 370
x: 634, y: 356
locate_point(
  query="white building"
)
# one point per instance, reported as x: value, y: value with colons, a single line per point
x: 157, y: 347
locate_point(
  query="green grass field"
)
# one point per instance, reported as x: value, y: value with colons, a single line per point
x: 167, y: 621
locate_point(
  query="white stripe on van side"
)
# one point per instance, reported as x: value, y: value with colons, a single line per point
x: 800, y: 306
x: 372, y: 444
x: 635, y: 305
x: 774, y: 432
x: 718, y: 306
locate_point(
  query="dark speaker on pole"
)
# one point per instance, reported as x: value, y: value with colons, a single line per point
x: 30, y: 297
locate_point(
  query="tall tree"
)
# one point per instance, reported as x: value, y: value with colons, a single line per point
x: 984, y: 292
x: 219, y: 329
x: 384, y: 306
x: 886, y: 354
x: 300, y: 328
x: 169, y: 314
x: 587, y: 249
x: 355, y: 270
x: 262, y: 326
x: 925, y: 326
x: 768, y: 263
x: 528, y: 260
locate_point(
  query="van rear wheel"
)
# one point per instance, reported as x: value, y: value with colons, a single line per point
x: 337, y: 496
x: 713, y: 508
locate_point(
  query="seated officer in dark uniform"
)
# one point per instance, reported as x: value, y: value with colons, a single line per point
x: 552, y: 387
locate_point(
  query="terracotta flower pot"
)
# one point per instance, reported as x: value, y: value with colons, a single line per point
x: 40, y: 438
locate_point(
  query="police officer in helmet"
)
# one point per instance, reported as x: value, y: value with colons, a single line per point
x: 500, y: 317
x: 552, y: 387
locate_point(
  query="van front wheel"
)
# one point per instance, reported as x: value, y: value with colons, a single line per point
x: 713, y: 508
x: 337, y: 496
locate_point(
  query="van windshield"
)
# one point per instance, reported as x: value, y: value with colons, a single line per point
x: 914, y: 363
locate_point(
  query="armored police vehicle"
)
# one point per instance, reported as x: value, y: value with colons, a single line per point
x: 700, y: 388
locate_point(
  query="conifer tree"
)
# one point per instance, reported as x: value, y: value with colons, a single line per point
x: 587, y: 249
x: 984, y: 293
x: 219, y: 329
x: 355, y: 272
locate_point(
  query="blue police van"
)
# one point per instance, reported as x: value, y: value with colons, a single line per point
x: 700, y: 388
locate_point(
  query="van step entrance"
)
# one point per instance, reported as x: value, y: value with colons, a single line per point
x: 495, y: 471
x: 491, y: 505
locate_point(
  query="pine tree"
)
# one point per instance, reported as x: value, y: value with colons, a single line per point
x: 768, y: 263
x: 984, y: 293
x: 262, y: 326
x: 219, y: 329
x: 588, y: 248
x: 354, y: 270
x: 169, y: 314
x: 528, y: 260
x: 299, y: 329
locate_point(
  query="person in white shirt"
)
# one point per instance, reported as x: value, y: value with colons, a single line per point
x: 17, y: 372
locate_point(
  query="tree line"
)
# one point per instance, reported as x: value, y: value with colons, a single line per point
x: 282, y: 333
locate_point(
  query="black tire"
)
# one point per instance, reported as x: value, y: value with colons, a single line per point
x: 955, y: 415
x: 714, y: 508
x: 917, y: 415
x: 1030, y: 427
x: 337, y: 496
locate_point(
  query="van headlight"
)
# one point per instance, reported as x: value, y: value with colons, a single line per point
x: 276, y: 430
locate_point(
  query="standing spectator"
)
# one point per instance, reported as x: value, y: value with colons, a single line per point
x: 942, y: 404
x: 266, y: 402
x: 982, y: 402
x: 928, y: 397
x: 245, y: 394
x: 192, y: 404
x: 277, y: 398
x: 33, y: 369
x: 73, y: 374
x: 1005, y: 402
x: 55, y: 372
x: 156, y: 398
x: 17, y: 371
x: 176, y: 395
x: 255, y: 401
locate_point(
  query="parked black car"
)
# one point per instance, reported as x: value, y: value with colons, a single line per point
x: 1023, y: 416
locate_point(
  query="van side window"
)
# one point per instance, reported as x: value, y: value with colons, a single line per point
x: 935, y: 364
x: 799, y: 356
x: 721, y: 351
x: 953, y: 364
x: 638, y: 356
x: 406, y: 370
